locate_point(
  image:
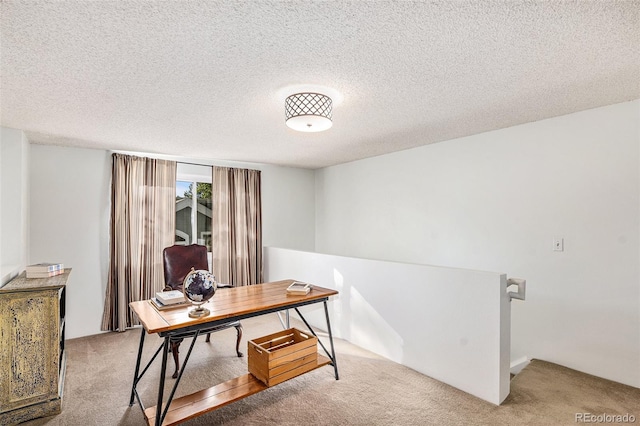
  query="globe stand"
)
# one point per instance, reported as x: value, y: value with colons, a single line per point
x: 199, y: 312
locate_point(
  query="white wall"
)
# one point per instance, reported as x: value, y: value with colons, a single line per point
x: 14, y: 202
x: 450, y: 324
x: 495, y: 201
x: 288, y: 207
x: 70, y: 208
x: 70, y: 203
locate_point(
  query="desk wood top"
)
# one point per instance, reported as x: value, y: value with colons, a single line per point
x: 227, y: 303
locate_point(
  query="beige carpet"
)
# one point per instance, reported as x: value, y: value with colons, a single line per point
x: 371, y: 390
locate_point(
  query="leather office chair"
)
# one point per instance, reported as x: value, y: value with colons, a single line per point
x: 178, y: 261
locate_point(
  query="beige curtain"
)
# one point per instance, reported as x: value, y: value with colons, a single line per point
x: 237, y: 226
x: 143, y: 193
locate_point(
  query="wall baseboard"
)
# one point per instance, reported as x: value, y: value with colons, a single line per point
x: 519, y: 364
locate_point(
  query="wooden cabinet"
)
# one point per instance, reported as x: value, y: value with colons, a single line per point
x: 32, y: 358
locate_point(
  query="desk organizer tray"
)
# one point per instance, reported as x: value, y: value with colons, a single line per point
x: 282, y: 356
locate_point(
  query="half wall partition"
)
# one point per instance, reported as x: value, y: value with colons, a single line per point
x: 450, y: 324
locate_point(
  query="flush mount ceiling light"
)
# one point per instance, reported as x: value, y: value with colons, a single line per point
x: 308, y: 112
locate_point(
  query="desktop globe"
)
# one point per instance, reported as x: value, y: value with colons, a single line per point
x: 199, y: 286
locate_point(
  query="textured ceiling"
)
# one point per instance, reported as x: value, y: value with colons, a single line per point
x: 207, y: 79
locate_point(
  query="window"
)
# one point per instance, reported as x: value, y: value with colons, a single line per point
x: 193, y: 213
x: 237, y: 238
x: 193, y: 205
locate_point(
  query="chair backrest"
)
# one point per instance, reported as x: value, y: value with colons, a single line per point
x: 178, y: 261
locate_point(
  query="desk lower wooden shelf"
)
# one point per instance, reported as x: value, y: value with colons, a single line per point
x: 195, y: 404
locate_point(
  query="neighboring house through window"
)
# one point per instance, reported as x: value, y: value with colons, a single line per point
x: 193, y: 205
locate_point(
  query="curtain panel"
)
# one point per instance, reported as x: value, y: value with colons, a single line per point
x: 143, y: 193
x: 237, y: 226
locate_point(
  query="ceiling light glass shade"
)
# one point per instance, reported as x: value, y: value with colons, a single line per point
x: 308, y: 112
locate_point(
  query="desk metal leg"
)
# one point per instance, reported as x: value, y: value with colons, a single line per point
x: 331, y: 355
x: 135, y: 375
x: 333, y: 352
x: 286, y: 322
x: 184, y: 365
x: 163, y: 372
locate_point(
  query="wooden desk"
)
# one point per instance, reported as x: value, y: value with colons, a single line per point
x: 227, y: 305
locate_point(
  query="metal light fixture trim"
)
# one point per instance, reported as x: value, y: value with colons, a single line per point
x: 308, y: 112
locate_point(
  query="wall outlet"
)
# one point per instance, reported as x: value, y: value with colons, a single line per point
x: 558, y: 244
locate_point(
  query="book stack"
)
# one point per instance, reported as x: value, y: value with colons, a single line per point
x: 170, y: 297
x: 298, y: 288
x: 44, y: 270
x: 169, y: 300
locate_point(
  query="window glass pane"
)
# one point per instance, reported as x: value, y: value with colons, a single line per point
x: 204, y: 214
x: 190, y: 228
x: 183, y: 213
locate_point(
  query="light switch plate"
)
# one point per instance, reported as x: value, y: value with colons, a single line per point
x: 558, y: 244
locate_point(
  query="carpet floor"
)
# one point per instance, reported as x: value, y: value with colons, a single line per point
x: 371, y: 390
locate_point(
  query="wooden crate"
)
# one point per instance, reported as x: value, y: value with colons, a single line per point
x: 282, y: 356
